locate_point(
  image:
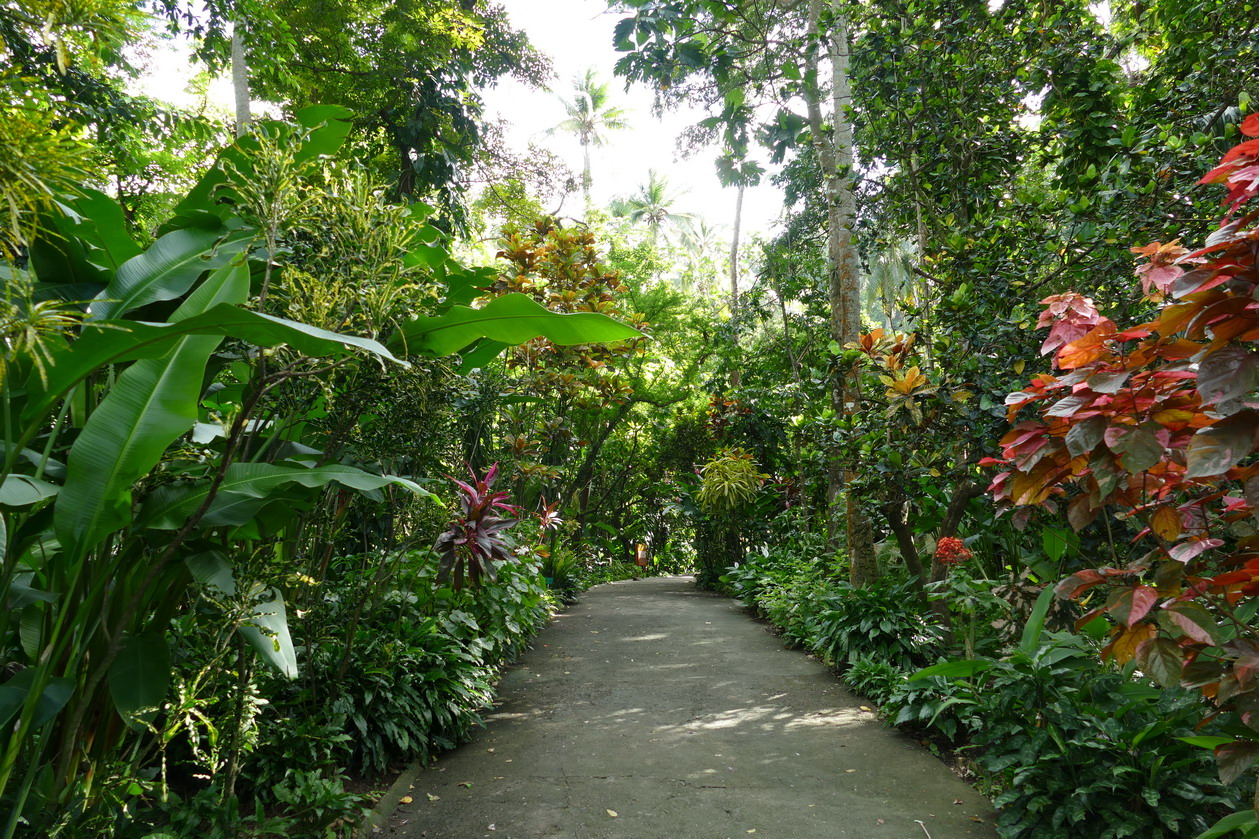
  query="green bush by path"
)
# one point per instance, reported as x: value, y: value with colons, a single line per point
x: 1067, y: 746
x: 409, y: 680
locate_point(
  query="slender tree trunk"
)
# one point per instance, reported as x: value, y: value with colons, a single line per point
x: 240, y: 80
x: 734, y: 251
x: 806, y: 514
x: 586, y: 180
x: 736, y: 375
x: 835, y: 156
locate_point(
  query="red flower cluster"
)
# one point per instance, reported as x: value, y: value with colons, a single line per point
x: 952, y: 551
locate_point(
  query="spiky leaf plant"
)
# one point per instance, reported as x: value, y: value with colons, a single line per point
x: 475, y: 538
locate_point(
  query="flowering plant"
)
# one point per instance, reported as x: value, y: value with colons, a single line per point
x: 951, y: 550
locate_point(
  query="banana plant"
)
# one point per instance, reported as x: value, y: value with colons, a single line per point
x: 112, y: 351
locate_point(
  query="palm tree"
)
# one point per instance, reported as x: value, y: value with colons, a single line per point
x: 652, y: 205
x: 590, y: 117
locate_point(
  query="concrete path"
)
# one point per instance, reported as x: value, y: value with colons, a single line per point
x: 651, y: 709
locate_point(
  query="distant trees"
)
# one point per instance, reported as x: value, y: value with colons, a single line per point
x: 653, y: 207
x: 591, y: 115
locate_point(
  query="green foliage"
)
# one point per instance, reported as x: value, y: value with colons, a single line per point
x: 165, y: 433
x: 399, y: 694
x: 729, y: 481
x: 881, y: 624
x: 1103, y: 757
x: 884, y: 621
x: 873, y: 677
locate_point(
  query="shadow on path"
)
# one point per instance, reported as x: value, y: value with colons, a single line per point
x: 672, y: 709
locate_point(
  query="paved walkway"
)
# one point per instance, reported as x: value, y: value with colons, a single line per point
x: 651, y: 709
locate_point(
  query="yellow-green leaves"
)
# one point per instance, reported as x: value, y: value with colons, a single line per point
x: 731, y: 479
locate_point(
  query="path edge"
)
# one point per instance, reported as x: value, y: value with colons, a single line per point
x: 387, y: 803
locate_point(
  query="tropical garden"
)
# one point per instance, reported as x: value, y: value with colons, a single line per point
x: 313, y: 417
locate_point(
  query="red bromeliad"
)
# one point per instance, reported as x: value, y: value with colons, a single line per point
x: 1160, y: 423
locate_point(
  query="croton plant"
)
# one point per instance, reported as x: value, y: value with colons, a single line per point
x: 1159, y: 423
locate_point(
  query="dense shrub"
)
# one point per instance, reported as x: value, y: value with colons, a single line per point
x: 884, y: 621
x: 1075, y: 750
x: 394, y: 668
x: 1070, y: 747
x: 874, y: 678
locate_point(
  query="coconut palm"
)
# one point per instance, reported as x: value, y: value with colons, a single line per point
x: 652, y: 206
x: 590, y: 117
x: 704, y: 240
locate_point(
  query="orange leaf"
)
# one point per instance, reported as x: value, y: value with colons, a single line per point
x: 1125, y: 640
x: 1166, y: 523
x: 1173, y: 418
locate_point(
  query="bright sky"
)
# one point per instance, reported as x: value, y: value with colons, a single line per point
x: 576, y: 35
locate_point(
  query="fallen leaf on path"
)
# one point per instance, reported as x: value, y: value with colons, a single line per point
x: 850, y: 770
x: 865, y: 707
x: 432, y: 797
x: 957, y: 801
x: 466, y: 784
x: 406, y: 799
x: 612, y: 813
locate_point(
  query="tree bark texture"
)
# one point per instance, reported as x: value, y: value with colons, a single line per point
x: 736, y: 376
x: 835, y: 156
x: 240, y: 80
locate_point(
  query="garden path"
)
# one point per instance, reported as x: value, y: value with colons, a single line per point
x: 653, y: 709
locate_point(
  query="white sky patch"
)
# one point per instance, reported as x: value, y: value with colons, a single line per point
x: 575, y: 34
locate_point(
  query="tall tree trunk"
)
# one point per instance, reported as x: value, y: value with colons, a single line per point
x: 586, y: 180
x: 240, y: 80
x: 806, y: 514
x: 835, y: 156
x: 734, y: 251
x: 736, y: 375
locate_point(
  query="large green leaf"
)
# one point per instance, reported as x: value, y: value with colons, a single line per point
x: 1035, y: 626
x: 23, y: 490
x: 139, y: 677
x: 267, y: 628
x: 962, y: 668
x: 61, y: 260
x: 1240, y: 825
x: 112, y: 342
x: 480, y: 355
x: 511, y: 319
x: 246, y: 487
x: 151, y: 404
x: 97, y: 220
x: 52, y: 698
x: 167, y: 269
